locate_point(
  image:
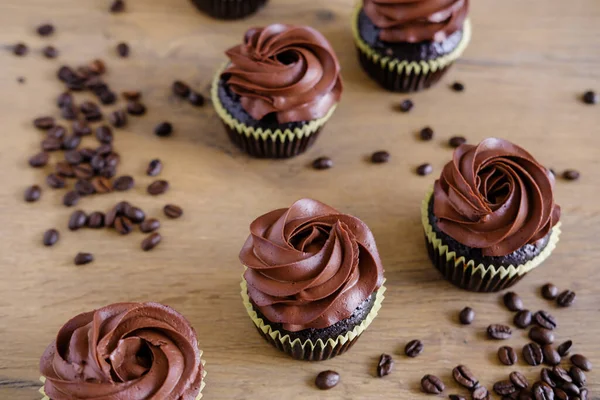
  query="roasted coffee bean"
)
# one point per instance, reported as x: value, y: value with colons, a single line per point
x: 20, y: 49
x: 542, y: 391
x: 426, y: 133
x: 581, y: 362
x: 69, y: 112
x: 111, y: 216
x: 83, y: 171
x: 513, y: 302
x: 507, y: 355
x: 154, y: 167
x: 123, y: 183
x: 566, y: 298
x: 541, y: 335
x: 64, y: 169
x: 571, y: 175
x: 181, y: 89
x: 57, y: 132
x: 480, y: 393
x: 499, y: 332
x: 39, y: 160
x: 104, y: 134
x: 108, y: 172
x: 571, y: 389
x: 65, y: 98
x: 55, y: 181
x: 71, y: 198
x: 51, y: 144
x: 83, y: 258
x: 545, y: 320
x: 73, y: 157
x: 458, y: 87
x: 561, y: 375
x: 51, y: 236
x: 532, y: 354
x: 385, y: 365
x: 196, y: 99
x: 151, y: 241
x: 432, y: 384
x: 96, y: 220
x: 578, y: 376
x: 322, y: 163
x: 413, y: 348
x: 551, y: 356
x: 549, y: 291
x: 456, y: 141
x: 77, y: 220
x: 84, y: 188
x: 163, y: 129
x: 104, y: 149
x: 464, y: 377
x: 504, y: 388
x: 81, y: 128
x: 101, y: 185
x: 135, y: 214
x: 560, y: 394
x: 149, y: 225
x: 70, y: 142
x: 123, y: 49
x: 118, y: 118
x: 564, y: 348
x: 548, y: 377
x: 122, y: 207
x: 380, y: 157
x: 97, y: 162
x: 583, y: 394
x: 117, y: 6
x: 466, y: 316
x: 44, y: 123
x: 519, y: 380
x: 112, y: 159
x: 87, y: 154
x: 136, y: 108
x: 123, y: 225
x: 50, y: 51
x: 523, y: 319
x: 406, y: 105
x: 590, y: 97
x: 456, y: 397
x: 32, y: 193
x: 172, y: 211
x: 325, y: 380
x: 424, y: 169
x: 45, y: 29
x: 132, y: 95
x: 107, y: 97
x: 66, y: 74
x: 89, y: 108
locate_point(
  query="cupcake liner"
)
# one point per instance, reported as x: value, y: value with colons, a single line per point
x: 202, y: 384
x: 307, y: 350
x: 266, y: 143
x: 229, y: 9
x: 402, y: 75
x: 468, y: 275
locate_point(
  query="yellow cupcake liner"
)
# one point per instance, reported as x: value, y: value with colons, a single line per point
x: 460, y: 270
x: 259, y: 133
x: 202, y: 384
x: 409, y: 67
x: 309, y: 350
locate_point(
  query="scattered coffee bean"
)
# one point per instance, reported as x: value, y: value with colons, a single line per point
x: 123, y: 225
x: 71, y: 142
x: 591, y: 97
x: 545, y: 320
x: 561, y: 375
x: 108, y: 172
x: 32, y: 193
x: 51, y: 144
x: 45, y: 29
x: 87, y: 154
x: 532, y: 354
x: 507, y: 355
x: 513, y: 302
x: 571, y: 175
x: 77, y: 220
x: 551, y: 356
x: 196, y: 99
x: 406, y: 105
x: 519, y: 380
x: 413, y: 348
x: 181, y: 89
x: 97, y: 162
x: 71, y: 198
x: 571, y: 389
x: 322, y: 163
x: 149, y: 225
x: 504, y: 388
x: 564, y: 348
x: 101, y: 185
x: 123, y: 183
x: 327, y: 379
x: 456, y: 141
x: 566, y: 298
x: 426, y: 133
x: 151, y: 241
x: 380, y: 157
x: 123, y: 49
x: 104, y: 149
x: 73, y: 157
x: 548, y: 377
x: 424, y: 169
x: 458, y: 87
x: 499, y: 332
x: 83, y: 258
x: 64, y: 169
x: 172, y: 211
x: 55, y: 181
x: 118, y: 118
x: 549, y: 291
x: 96, y: 220
x: 117, y: 6
x: 464, y: 377
x: 69, y: 112
x: 466, y: 316
x: 578, y: 376
x: 431, y: 384
x: 50, y: 52
x: 64, y: 99
x: 154, y: 167
x: 107, y: 97
x: 112, y: 159
x: 163, y: 129
x: 541, y: 391
x: 480, y: 393
x: 581, y: 362
x: 51, y: 236
x: 39, y: 160
x: 385, y: 365
x: 135, y: 214
x: 136, y: 108
x: 81, y: 128
x: 44, y: 123
x: 20, y: 49
x: 83, y: 171
x: 56, y: 132
x: 541, y: 335
x: 84, y: 187
x: 132, y: 95
x: 104, y: 134
x: 523, y: 319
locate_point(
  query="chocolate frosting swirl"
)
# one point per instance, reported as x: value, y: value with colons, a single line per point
x: 310, y: 266
x: 291, y: 71
x: 416, y: 21
x: 127, y: 351
x: 495, y: 197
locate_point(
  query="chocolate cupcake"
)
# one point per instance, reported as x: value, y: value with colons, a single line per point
x: 407, y: 46
x: 279, y: 89
x: 229, y: 9
x: 134, y: 351
x: 313, y: 281
x: 491, y: 218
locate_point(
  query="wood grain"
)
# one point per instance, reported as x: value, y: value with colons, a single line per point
x: 523, y: 71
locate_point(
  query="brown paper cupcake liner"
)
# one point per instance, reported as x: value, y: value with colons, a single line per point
x: 307, y: 350
x: 229, y: 9
x: 466, y: 274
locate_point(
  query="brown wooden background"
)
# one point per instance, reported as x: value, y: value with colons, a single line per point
x: 526, y: 65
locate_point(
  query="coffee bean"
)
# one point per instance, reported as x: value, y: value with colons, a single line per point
x: 532, y: 354
x: 322, y: 163
x: 87, y: 154
x: 151, y: 241
x: 97, y: 67
x: 196, y: 99
x: 480, y: 393
x: 101, y: 185
x: 499, y: 332
x: 578, y: 376
x: 81, y: 128
x: 20, y: 49
x: 51, y: 144
x: 149, y: 225
x: 132, y: 95
x: 549, y: 291
x: 64, y: 169
x: 95, y: 220
x: 548, y: 377
x: 519, y: 380
x: 523, y: 319
x: 77, y: 220
x: 69, y: 112
x: 566, y: 298
x: 541, y: 335
x: 456, y: 397
x: 97, y: 163
x: 591, y: 97
x: 560, y: 394
x: 51, y: 236
x: 39, y: 160
x: 385, y: 365
x: 545, y: 320
x: 406, y: 105
x: 50, y: 52
x: 104, y: 134
x: 118, y: 118
x: 551, y: 356
x: 458, y: 87
x: 571, y: 389
x: 117, y: 6
x: 561, y: 375
x: 507, y: 355
x: 432, y: 384
x: 571, y: 174
x: 45, y: 29
x: 583, y: 394
x: 542, y: 391
x: 581, y: 362
x: 172, y: 211
x: 504, y: 388
x: 70, y: 142
x: 564, y: 348
x: 89, y: 108
x: 107, y: 97
x: 154, y: 167
x: 380, y: 157
x: 55, y: 181
x: 73, y: 157
x: 66, y: 74
x: 57, y: 132
x: 135, y: 214
x: 123, y: 225
x: 112, y: 159
x: 108, y: 172
x: 163, y: 129
x: 327, y: 380
x: 413, y: 348
x: 513, y: 302
x: 181, y: 89
x: 424, y: 169
x: 136, y: 108
x: 466, y: 316
x: 71, y: 198
x: 83, y: 171
x: 123, y: 49
x: 65, y: 98
x: 123, y: 183
x: 84, y: 188
x: 104, y: 149
x: 464, y: 377
x: 426, y: 133
x: 111, y: 216
x: 83, y: 258
x: 32, y: 193
x: 456, y: 141
x: 44, y: 123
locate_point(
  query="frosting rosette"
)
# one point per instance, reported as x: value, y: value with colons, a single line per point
x: 495, y: 197
x: 291, y: 71
x: 416, y: 21
x: 309, y: 266
x: 130, y: 351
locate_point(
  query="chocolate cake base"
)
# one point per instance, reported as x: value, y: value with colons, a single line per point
x: 229, y: 9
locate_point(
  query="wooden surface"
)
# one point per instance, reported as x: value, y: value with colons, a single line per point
x: 526, y: 65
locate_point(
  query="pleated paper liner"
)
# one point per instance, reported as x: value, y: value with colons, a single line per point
x: 477, y: 278
x: 229, y: 9
x: 307, y: 350
x: 401, y: 75
x: 266, y: 143
x: 202, y: 384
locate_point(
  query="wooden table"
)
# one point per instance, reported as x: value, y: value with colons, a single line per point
x: 524, y: 70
